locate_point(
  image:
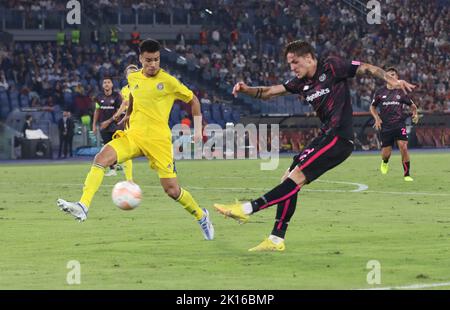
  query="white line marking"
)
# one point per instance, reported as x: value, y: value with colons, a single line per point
x: 408, y: 287
x: 410, y: 193
x: 361, y: 188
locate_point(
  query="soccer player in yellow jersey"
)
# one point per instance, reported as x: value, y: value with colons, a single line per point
x: 152, y: 93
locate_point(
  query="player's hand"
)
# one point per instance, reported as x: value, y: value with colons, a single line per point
x: 124, y: 120
x: 415, y: 118
x: 115, y: 117
x: 105, y: 124
x: 378, y: 123
x: 403, y: 85
x: 240, y: 87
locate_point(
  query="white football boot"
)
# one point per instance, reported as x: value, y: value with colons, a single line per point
x: 76, y: 209
x: 206, y: 226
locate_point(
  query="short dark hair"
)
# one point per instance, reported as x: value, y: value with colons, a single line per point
x: 300, y: 48
x: 28, y: 117
x: 150, y: 46
x: 107, y: 78
x: 392, y: 69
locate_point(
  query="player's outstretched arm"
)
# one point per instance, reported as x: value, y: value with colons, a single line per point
x: 260, y: 92
x: 122, y: 108
x: 376, y: 117
x: 381, y: 74
x: 126, y: 118
x: 415, y: 116
x: 94, y: 122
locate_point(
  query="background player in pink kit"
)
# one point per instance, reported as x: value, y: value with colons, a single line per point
x: 391, y: 122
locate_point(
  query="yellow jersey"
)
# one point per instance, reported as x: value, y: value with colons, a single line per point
x: 153, y: 98
x: 125, y: 92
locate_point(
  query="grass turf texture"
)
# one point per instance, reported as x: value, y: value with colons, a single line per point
x: 332, y: 235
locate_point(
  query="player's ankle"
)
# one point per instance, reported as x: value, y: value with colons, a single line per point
x: 276, y: 239
x: 247, y: 208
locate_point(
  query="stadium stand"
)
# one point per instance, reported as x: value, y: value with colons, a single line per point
x: 239, y: 40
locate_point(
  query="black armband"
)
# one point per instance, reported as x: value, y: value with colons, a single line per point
x: 259, y: 93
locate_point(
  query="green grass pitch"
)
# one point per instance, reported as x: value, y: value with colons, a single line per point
x: 333, y: 234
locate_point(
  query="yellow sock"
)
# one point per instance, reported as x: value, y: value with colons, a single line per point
x: 189, y: 204
x: 91, y: 184
x: 128, y: 169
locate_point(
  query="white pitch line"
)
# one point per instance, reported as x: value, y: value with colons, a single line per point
x: 408, y: 287
x: 410, y: 193
x: 360, y: 187
x: 359, y: 190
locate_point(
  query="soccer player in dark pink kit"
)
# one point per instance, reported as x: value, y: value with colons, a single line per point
x: 391, y: 122
x: 324, y: 85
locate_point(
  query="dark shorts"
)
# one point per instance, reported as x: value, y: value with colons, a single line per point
x: 322, y: 154
x: 106, y: 136
x: 388, y: 138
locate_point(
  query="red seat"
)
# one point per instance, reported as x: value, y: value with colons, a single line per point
x: 446, y: 136
x: 437, y: 137
x: 428, y: 137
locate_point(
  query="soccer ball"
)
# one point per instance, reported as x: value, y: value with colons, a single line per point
x: 126, y: 195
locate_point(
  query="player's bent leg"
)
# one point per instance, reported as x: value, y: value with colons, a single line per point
x: 128, y: 164
x: 185, y: 198
x: 283, y: 192
x: 106, y: 157
x: 385, y: 155
x: 285, y: 211
x: 403, y: 147
x: 128, y: 170
x: 79, y: 210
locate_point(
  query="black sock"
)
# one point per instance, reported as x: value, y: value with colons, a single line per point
x: 385, y: 161
x: 406, y: 165
x: 284, y: 216
x: 277, y: 195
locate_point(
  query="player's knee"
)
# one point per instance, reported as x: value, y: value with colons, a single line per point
x: 403, y: 148
x: 105, y: 157
x: 298, y: 177
x: 172, y: 191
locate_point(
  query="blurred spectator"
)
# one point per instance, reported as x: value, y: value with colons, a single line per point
x: 28, y: 125
x: 135, y: 38
x: 66, y: 127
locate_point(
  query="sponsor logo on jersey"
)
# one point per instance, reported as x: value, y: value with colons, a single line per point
x: 318, y: 94
x: 391, y: 103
